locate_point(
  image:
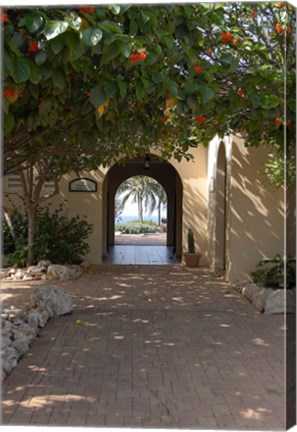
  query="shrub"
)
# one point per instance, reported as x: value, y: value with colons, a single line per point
x: 58, y: 238
x: 270, y: 275
x: 135, y: 227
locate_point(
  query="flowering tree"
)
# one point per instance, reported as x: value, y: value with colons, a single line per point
x: 88, y: 85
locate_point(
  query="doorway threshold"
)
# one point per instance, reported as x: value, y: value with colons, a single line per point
x: 141, y: 255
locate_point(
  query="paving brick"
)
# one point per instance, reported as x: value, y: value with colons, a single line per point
x: 188, y: 358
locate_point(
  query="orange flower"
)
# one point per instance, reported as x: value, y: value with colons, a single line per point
x: 226, y: 37
x: 137, y: 57
x: 165, y: 118
x: 279, y: 4
x: 289, y: 30
x: 10, y: 94
x: 198, y: 69
x: 240, y: 93
x: 278, y: 121
x: 253, y: 13
x: 210, y: 52
x: 278, y: 28
x: 200, y: 118
x: 86, y: 10
x: 4, y: 17
x: 33, y: 46
x: 235, y: 40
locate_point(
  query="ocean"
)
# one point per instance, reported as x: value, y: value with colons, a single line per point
x: 127, y: 218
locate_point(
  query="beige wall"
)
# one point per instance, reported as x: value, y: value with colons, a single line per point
x: 257, y: 212
x: 195, y: 201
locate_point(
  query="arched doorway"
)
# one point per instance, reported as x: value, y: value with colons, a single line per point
x: 164, y: 173
x: 220, y: 210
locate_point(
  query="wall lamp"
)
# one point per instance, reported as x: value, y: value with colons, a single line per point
x: 146, y: 162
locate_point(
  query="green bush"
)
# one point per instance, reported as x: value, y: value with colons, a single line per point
x: 58, y: 238
x: 272, y: 276
x: 135, y: 227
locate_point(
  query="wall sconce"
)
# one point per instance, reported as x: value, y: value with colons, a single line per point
x: 146, y: 162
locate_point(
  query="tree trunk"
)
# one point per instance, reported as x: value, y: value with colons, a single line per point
x: 32, y: 213
x: 159, y: 214
x: 140, y: 210
x: 9, y: 223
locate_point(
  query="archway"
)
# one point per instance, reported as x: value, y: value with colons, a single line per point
x: 220, y: 210
x: 164, y: 173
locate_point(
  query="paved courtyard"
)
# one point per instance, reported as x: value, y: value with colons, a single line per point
x: 157, y: 346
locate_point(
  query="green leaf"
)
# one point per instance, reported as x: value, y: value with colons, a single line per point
x: 110, y: 26
x: 46, y: 71
x: 8, y: 122
x: 74, y: 22
x: 98, y: 96
x: 7, y: 64
x: 126, y: 49
x: 17, y: 39
x: 133, y: 27
x: 191, y: 88
x: 269, y: 101
x: 207, y: 93
x: 40, y: 57
x: 22, y: 70
x: 57, y: 44
x: 45, y: 107
x: 172, y: 87
x: 110, y: 88
x: 115, y: 9
x: 58, y: 78
x: 140, y: 91
x: 91, y: 36
x: 35, y: 75
x: 123, y: 88
x: 52, y: 118
x: 157, y: 77
x: 75, y: 46
x: 33, y: 22
x: 55, y: 28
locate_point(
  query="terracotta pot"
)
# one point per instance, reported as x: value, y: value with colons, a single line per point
x: 192, y: 259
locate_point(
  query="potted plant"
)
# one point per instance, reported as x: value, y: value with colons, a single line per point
x: 192, y: 258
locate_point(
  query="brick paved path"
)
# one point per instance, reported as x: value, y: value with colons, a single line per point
x: 160, y: 347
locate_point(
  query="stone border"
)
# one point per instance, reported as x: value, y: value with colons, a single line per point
x: 269, y: 300
x: 20, y: 328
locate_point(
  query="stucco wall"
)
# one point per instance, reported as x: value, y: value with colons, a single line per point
x: 257, y: 212
x: 195, y: 201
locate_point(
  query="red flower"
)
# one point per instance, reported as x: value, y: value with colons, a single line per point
x: 278, y: 121
x: 70, y: 77
x: 86, y: 10
x: 210, y: 52
x: 33, y: 46
x: 240, y: 93
x: 226, y: 37
x: 137, y: 57
x: 198, y: 69
x: 4, y: 17
x: 165, y: 118
x: 253, y: 13
x: 10, y: 94
x: 278, y: 28
x: 200, y: 118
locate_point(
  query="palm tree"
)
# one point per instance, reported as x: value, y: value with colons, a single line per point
x: 144, y: 191
x: 159, y: 201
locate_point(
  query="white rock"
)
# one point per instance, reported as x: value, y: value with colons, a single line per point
x: 85, y: 265
x: 76, y: 271
x: 28, y: 277
x: 259, y: 297
x: 13, y: 314
x: 275, y: 302
x: 5, y: 273
x: 44, y: 263
x: 25, y: 330
x: 38, y: 318
x: 61, y: 272
x: 36, y: 270
x: 249, y: 290
x: 5, y: 340
x: 44, y: 277
x: 9, y: 359
x: 12, y: 271
x: 21, y: 345
x: 55, y: 300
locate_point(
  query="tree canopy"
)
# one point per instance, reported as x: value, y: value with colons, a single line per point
x: 89, y: 84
